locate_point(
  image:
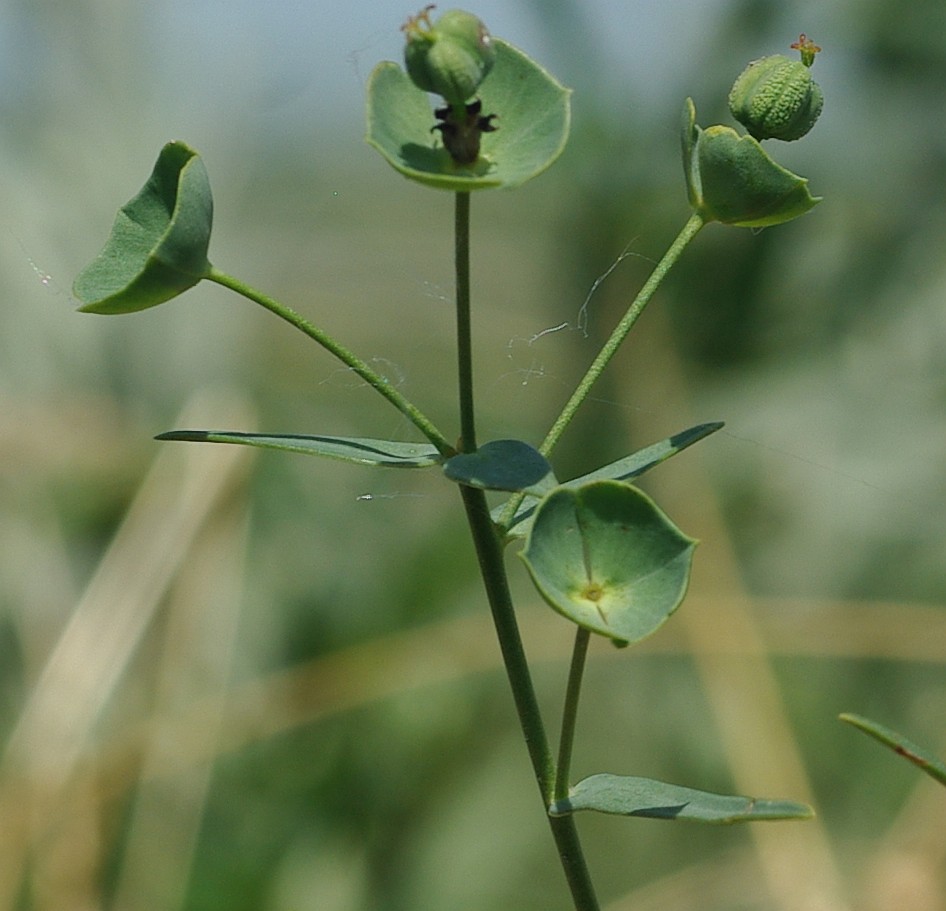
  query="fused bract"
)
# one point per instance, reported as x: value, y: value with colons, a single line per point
x: 530, y: 105
x: 776, y: 98
x: 450, y: 57
x: 733, y: 180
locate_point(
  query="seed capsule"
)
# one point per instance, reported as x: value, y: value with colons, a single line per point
x: 450, y: 57
x: 776, y: 98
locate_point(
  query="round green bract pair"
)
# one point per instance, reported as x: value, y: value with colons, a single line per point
x: 732, y: 179
x: 604, y: 555
x: 532, y: 120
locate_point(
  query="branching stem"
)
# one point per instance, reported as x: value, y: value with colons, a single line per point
x: 374, y: 379
x: 690, y: 230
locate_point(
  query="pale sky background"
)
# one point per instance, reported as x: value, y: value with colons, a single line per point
x: 286, y: 59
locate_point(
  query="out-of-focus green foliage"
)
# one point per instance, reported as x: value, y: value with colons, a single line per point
x: 243, y: 710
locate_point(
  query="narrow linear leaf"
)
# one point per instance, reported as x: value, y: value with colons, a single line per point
x: 635, y: 464
x: 503, y: 465
x: 384, y: 453
x: 919, y: 756
x: 630, y: 796
x: 624, y: 469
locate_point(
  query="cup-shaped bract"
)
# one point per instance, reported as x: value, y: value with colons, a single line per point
x: 158, y: 245
x: 731, y: 178
x: 606, y: 557
x: 532, y: 116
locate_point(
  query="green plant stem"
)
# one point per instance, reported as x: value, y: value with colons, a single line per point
x: 489, y: 552
x: 690, y: 230
x: 464, y: 334
x: 374, y: 379
x: 570, y: 712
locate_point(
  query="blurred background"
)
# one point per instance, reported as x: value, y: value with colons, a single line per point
x: 259, y: 681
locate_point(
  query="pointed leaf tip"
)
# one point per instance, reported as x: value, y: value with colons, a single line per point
x: 159, y: 241
x: 362, y: 451
x: 912, y: 752
x: 624, y: 469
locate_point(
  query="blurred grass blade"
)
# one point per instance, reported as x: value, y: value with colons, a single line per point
x: 918, y: 755
x: 624, y: 469
x: 386, y: 453
x: 629, y: 796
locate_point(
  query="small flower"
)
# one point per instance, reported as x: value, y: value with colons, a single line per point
x: 461, y: 133
x: 807, y: 48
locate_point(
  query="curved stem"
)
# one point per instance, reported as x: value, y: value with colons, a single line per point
x: 374, y: 379
x: 690, y: 230
x: 570, y: 712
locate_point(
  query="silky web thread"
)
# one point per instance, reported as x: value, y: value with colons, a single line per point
x: 535, y: 368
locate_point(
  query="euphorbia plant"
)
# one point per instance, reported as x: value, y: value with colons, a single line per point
x: 600, y: 552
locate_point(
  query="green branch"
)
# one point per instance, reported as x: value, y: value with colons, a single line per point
x: 374, y: 379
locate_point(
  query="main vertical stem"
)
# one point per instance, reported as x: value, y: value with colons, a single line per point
x: 461, y: 235
x: 489, y: 552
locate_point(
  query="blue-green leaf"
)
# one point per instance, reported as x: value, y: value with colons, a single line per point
x: 624, y: 469
x: 502, y: 465
x: 629, y: 796
x: 385, y: 453
x: 733, y: 180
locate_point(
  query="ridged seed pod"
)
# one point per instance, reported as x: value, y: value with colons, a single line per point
x: 450, y: 57
x: 776, y: 98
